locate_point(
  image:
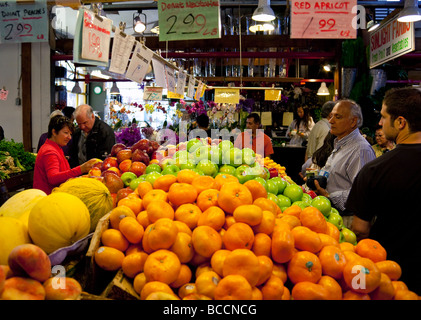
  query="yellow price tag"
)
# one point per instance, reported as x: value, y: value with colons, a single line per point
x: 227, y: 95
x: 173, y: 95
x: 273, y: 94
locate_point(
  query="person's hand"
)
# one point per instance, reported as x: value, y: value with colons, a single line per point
x: 319, y: 190
x: 302, y: 176
x: 85, y: 167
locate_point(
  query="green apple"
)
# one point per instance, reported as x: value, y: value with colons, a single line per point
x: 259, y: 171
x: 249, y: 156
x: 323, y: 204
x: 282, y: 184
x: 341, y: 237
x: 188, y: 165
x: 135, y: 182
x: 226, y: 168
x: 166, y: 162
x: 207, y: 167
x: 272, y: 187
x: 151, y: 177
x: 127, y: 177
x: 215, y: 155
x: 200, y: 172
x: 242, y: 173
x: 153, y: 167
x: 294, y: 192
x: 349, y: 236
x: 307, y: 198
x: 182, y: 157
x: 262, y: 181
x: 284, y: 201
x: 301, y: 204
x: 336, y: 219
x: 171, y: 169
x: 193, y: 144
x: 334, y: 210
x: 233, y: 157
x: 274, y: 198
x: 225, y: 145
x: 202, y: 153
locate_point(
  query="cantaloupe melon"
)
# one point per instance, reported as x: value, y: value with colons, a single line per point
x: 57, y: 221
x: 13, y: 232
x: 94, y: 194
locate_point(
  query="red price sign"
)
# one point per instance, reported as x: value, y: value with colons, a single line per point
x: 323, y: 19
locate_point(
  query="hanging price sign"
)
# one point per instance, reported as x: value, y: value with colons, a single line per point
x: 23, y: 22
x: 189, y: 19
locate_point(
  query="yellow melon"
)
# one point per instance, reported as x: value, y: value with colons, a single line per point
x: 13, y: 232
x: 58, y: 220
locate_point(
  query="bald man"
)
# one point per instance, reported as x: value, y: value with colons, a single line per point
x: 93, y: 138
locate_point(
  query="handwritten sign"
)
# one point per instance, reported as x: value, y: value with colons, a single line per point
x: 152, y: 93
x: 3, y: 94
x: 120, y: 54
x: 273, y: 95
x: 159, y: 72
x: 181, y: 82
x: 139, y: 63
x: 189, y: 19
x: 312, y: 19
x: 170, y: 78
x: 199, y: 91
x: 23, y: 22
x: 266, y: 118
x: 226, y: 95
x: 190, y: 87
x: 391, y: 40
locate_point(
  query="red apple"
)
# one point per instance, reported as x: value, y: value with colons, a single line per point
x: 122, y: 193
x: 98, y: 164
x: 114, y: 170
x: 112, y: 181
x: 142, y: 144
x: 155, y: 145
x: 124, y: 155
x: 95, y: 171
x: 138, y: 168
x: 109, y: 162
x: 125, y: 165
x: 116, y: 148
x: 140, y: 155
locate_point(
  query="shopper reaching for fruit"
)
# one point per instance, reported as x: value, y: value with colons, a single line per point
x: 51, y: 166
x: 384, y: 194
x: 300, y: 127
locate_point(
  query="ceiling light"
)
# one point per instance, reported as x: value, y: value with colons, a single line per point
x: 410, y: 12
x: 371, y: 25
x: 114, y: 89
x: 263, y: 11
x: 268, y: 26
x: 327, y: 67
x: 323, y: 90
x: 155, y: 28
x: 76, y: 89
x: 138, y: 25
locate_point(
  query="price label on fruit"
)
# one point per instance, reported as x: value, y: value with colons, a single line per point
x: 189, y: 19
x: 23, y: 22
x: 312, y: 19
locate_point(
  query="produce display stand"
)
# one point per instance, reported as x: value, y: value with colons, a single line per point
x: 19, y: 181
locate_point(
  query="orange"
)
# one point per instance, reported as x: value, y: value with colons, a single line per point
x: 143, y: 219
x: 186, y: 176
x: 266, y: 204
x: 291, y: 220
x: 182, y: 227
x: 198, y: 260
x: 267, y: 224
x: 119, y: 213
x: 159, y: 295
x: 162, y: 235
x: 242, y: 262
x: 206, y: 283
x: 265, y: 269
x: 203, y: 267
x: 204, y: 182
x: 115, y: 239
x: 362, y: 275
x: 218, y: 259
x: 139, y: 282
x: 196, y: 296
x: 181, y: 193
x: 183, y: 247
x: 307, y: 290
x: 286, y: 295
x: 385, y: 289
x: 333, y: 231
x: 153, y: 195
x: 133, y: 203
x: 186, y: 289
x: 279, y: 270
x: 188, y: 213
x: 233, y: 287
x: 256, y: 294
x: 232, y: 195
x: 229, y: 221
x: 282, y: 246
x: 134, y: 248
x: 306, y: 239
x: 164, y: 182
x: 213, y: 217
x: 372, y: 249
x: 207, y: 198
x: 333, y: 261
x: 184, y: 277
x: 313, y: 219
x: 158, y: 209
x: 262, y: 244
x: 391, y: 268
x: 239, y: 236
x: 109, y: 259
x: 162, y: 265
x: 328, y: 240
x: 206, y: 241
x: 131, y: 229
x: 257, y: 189
x: 406, y: 295
x: 347, y: 246
x: 223, y: 178
x: 155, y: 286
x: 248, y: 213
x: 351, y: 295
x: 399, y: 285
x: 293, y: 210
x: 143, y: 188
x: 333, y: 288
x: 133, y: 264
x: 304, y: 266
x: 273, y: 289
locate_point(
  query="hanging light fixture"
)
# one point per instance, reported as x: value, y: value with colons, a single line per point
x: 114, y: 89
x: 263, y: 12
x: 323, y: 90
x: 138, y: 25
x: 262, y: 26
x: 77, y: 89
x: 155, y: 28
x: 410, y: 12
x: 327, y: 68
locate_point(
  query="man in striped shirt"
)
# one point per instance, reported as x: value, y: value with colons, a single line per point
x: 351, y: 152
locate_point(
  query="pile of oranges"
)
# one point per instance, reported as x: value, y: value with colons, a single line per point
x: 196, y: 237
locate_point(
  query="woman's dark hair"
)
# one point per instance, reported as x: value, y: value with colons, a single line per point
x: 203, y: 120
x: 305, y: 118
x: 320, y: 155
x: 57, y: 123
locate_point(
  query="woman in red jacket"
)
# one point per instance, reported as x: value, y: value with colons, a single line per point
x: 51, y: 166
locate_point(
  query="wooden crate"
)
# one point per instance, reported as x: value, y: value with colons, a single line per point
x: 120, y: 288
